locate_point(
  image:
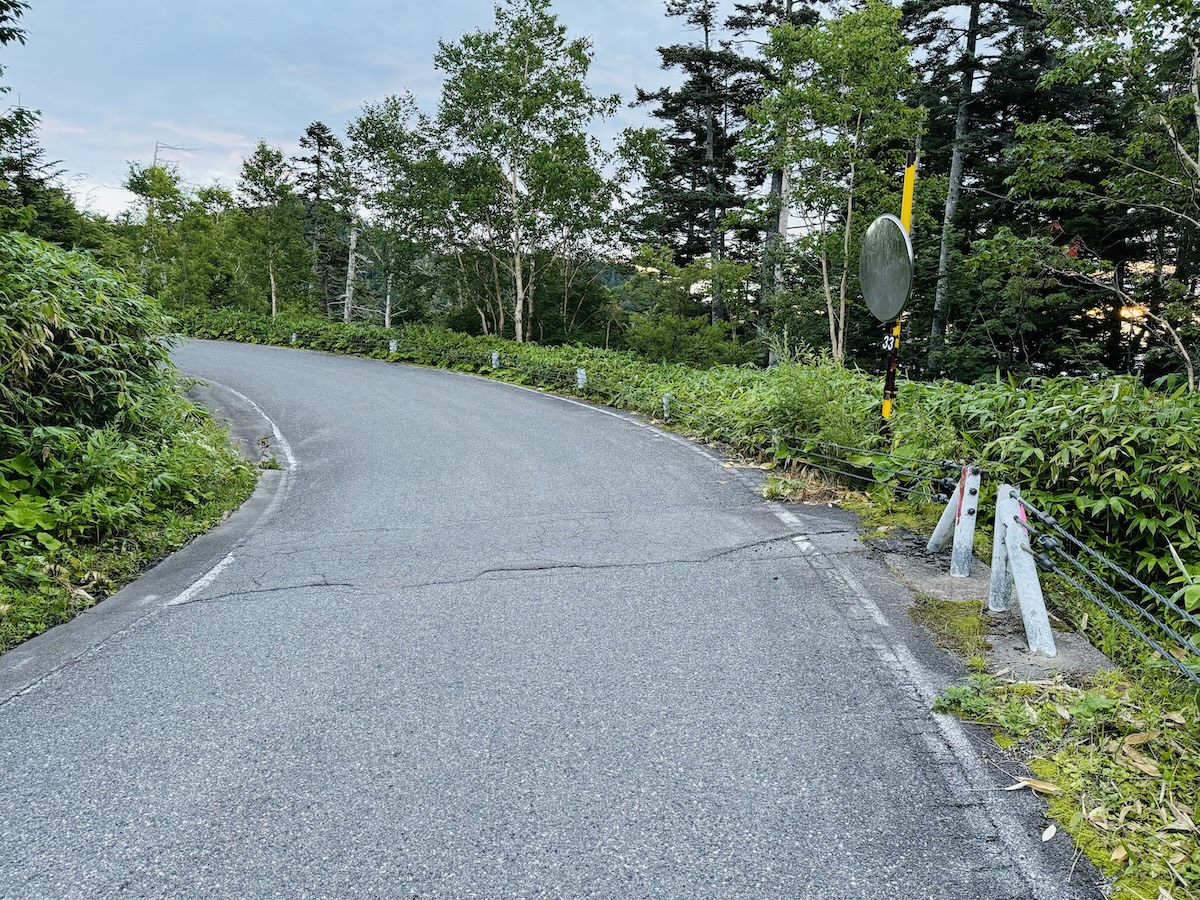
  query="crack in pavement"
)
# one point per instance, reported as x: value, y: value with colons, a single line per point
x: 585, y: 567
x: 271, y: 590
x: 268, y: 553
x: 541, y: 520
x: 502, y: 570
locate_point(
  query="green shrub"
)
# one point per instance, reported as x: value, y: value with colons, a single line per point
x: 79, y: 346
x: 1113, y: 460
x: 104, y: 466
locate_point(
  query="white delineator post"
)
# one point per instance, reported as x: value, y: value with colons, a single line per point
x: 1013, y: 566
x: 958, y: 519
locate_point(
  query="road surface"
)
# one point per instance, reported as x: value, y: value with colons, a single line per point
x: 473, y: 641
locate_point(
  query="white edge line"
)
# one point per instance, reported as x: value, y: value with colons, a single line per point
x: 627, y: 417
x: 279, y: 438
x: 202, y: 582
x: 211, y: 575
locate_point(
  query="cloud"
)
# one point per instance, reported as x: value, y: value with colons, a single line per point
x: 112, y: 79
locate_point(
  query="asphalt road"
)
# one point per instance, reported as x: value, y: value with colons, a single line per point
x: 474, y: 641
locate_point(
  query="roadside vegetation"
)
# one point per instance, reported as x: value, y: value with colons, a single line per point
x: 104, y: 466
x: 1113, y: 459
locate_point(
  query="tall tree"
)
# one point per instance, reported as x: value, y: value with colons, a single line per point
x: 324, y: 183
x: 1141, y: 179
x: 702, y: 178
x: 841, y: 127
x: 751, y: 20
x: 394, y: 150
x: 274, y: 222
x: 516, y: 110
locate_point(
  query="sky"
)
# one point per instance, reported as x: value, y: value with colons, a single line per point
x: 113, y: 78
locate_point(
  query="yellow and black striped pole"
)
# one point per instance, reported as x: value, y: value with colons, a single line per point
x: 891, y: 342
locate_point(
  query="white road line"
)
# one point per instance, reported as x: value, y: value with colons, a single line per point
x: 202, y: 582
x: 285, y: 483
x: 280, y: 440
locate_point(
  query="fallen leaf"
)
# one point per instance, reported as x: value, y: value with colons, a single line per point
x: 1179, y: 807
x: 1062, y: 713
x: 1049, y: 832
x: 1184, y: 824
x: 1176, y: 717
x: 1035, y: 784
x: 1120, y: 854
x: 1131, y: 759
x: 1099, y: 817
x: 1134, y: 740
x: 1163, y: 894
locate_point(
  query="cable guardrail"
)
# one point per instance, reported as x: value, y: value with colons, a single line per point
x: 1049, y: 535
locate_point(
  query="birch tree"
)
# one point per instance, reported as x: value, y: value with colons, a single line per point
x: 515, y: 105
x: 840, y: 127
x: 275, y: 219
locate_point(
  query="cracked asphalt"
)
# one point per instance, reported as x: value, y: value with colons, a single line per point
x: 478, y: 642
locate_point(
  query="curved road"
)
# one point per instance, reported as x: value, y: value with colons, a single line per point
x: 478, y: 642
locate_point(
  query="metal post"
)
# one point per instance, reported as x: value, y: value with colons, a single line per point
x: 580, y: 379
x: 666, y: 406
x: 293, y: 337
x: 1012, y: 542
x: 945, y: 525
x: 891, y: 341
x: 958, y: 518
x: 495, y: 359
x: 393, y: 345
x: 1000, y: 589
x: 964, y: 526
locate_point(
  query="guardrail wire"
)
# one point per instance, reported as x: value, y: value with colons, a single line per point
x: 1049, y: 535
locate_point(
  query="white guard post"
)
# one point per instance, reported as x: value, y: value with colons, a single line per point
x: 958, y: 519
x: 580, y: 379
x: 1013, y: 566
x: 495, y: 359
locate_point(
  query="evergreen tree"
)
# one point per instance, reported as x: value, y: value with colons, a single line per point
x: 685, y: 201
x: 324, y: 184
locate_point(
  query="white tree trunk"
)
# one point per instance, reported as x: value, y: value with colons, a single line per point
x: 519, y: 299
x: 387, y: 305
x: 348, y: 308
x: 937, y: 330
x: 274, y: 297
